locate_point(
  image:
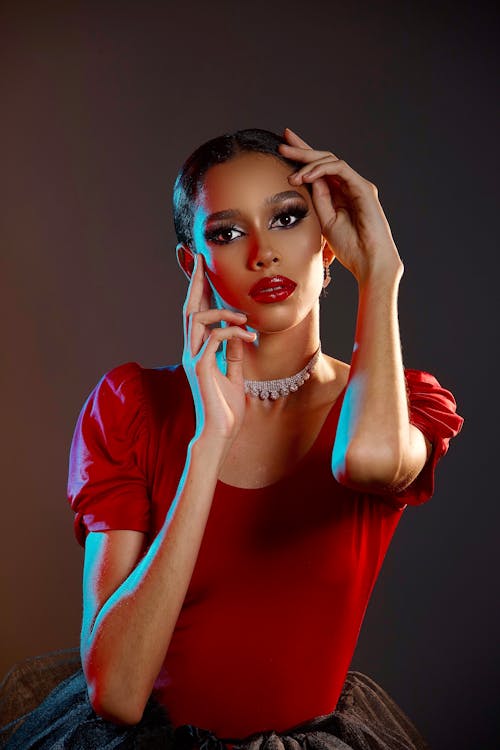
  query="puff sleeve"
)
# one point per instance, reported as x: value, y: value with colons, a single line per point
x: 432, y: 409
x: 107, y: 479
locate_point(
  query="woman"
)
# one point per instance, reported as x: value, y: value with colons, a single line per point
x: 236, y: 510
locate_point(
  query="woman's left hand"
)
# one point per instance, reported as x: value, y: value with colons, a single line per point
x: 351, y: 217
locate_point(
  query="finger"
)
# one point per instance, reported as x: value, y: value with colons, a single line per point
x: 198, y: 296
x: 295, y: 138
x: 325, y: 205
x: 216, y: 314
x: 308, y: 168
x: 206, y: 356
x: 353, y: 184
x: 322, y: 188
x: 326, y: 201
x: 195, y: 288
x: 190, y: 303
x: 308, y: 174
x: 234, y: 359
x: 199, y: 291
x: 360, y: 194
x: 206, y: 295
x: 307, y: 155
x: 199, y: 321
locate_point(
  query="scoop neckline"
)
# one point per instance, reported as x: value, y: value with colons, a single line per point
x: 300, y: 462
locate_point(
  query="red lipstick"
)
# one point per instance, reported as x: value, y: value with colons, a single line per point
x: 272, y: 289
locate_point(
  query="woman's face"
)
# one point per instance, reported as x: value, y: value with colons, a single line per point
x: 269, y: 229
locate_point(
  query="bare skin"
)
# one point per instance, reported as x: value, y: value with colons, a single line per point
x: 133, y: 595
x: 267, y: 449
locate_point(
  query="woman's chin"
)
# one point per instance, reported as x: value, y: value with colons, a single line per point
x: 274, y: 321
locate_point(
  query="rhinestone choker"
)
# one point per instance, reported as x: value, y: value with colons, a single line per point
x: 273, y: 389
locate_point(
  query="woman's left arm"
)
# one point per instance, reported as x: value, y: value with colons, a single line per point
x: 376, y: 448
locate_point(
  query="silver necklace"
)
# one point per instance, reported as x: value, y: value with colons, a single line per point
x: 273, y: 389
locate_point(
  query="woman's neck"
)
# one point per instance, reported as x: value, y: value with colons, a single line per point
x: 283, y: 353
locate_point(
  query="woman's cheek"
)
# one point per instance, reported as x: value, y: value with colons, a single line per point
x: 225, y: 289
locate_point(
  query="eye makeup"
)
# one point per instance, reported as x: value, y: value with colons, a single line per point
x: 296, y: 209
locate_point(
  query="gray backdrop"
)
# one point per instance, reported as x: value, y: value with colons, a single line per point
x: 101, y: 103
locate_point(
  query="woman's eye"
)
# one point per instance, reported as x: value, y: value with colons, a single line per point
x: 223, y: 232
x: 284, y: 216
x: 296, y: 214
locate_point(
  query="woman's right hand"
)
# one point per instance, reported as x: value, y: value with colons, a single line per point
x: 219, y: 399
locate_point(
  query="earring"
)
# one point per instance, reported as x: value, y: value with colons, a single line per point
x: 326, y: 275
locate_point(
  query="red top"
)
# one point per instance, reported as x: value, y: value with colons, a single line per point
x: 284, y: 573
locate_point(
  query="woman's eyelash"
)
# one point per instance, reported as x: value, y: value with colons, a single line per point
x: 298, y: 211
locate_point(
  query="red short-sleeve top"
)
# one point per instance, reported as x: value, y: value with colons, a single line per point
x: 284, y: 573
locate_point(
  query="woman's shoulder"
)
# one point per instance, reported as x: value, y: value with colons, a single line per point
x: 133, y: 370
x: 339, y: 370
x: 166, y: 379
x: 133, y: 385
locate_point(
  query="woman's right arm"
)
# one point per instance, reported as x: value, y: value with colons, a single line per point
x: 131, y: 605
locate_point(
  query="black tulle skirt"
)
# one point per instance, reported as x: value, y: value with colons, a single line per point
x: 366, y: 718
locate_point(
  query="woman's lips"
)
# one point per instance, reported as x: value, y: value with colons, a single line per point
x: 272, y: 289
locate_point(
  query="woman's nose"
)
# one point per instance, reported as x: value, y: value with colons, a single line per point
x: 263, y: 256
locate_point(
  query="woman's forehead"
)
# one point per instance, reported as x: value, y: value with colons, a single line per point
x: 248, y: 180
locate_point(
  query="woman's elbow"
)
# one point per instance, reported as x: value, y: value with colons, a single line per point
x: 115, y: 712
x: 358, y: 469
x: 106, y: 703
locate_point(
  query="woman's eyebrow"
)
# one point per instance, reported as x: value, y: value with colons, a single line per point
x: 231, y: 213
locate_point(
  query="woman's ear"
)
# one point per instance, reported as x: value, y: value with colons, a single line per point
x: 185, y: 259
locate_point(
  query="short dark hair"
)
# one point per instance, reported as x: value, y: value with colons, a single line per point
x: 216, y: 151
